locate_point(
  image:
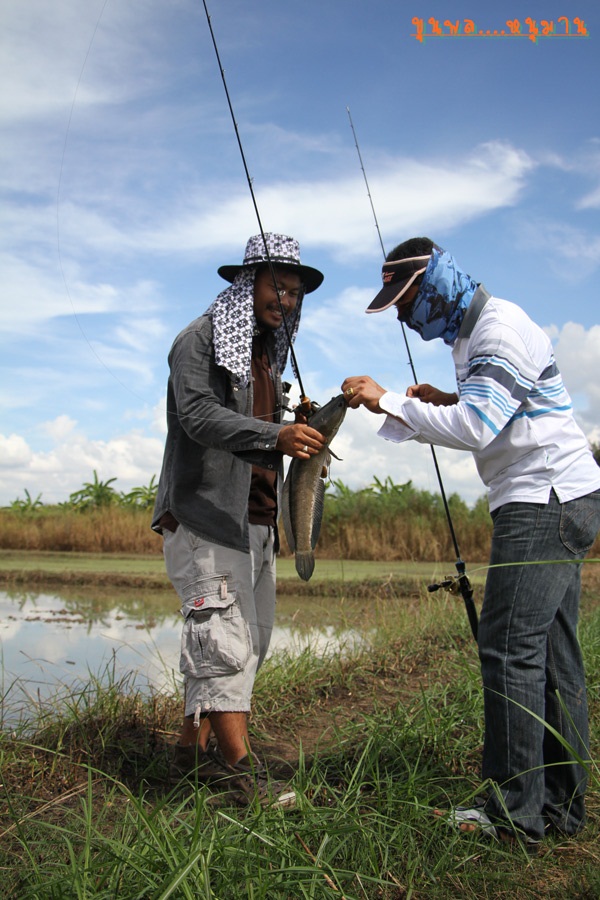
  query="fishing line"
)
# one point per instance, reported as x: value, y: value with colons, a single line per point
x: 464, y: 586
x: 58, y: 192
x: 84, y: 335
x: 77, y: 318
x: 304, y: 400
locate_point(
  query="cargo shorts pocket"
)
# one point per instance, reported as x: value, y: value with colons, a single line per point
x: 215, y: 638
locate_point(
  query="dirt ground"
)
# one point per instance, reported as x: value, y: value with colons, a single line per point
x: 321, y: 717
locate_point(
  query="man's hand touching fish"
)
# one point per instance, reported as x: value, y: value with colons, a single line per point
x: 300, y: 440
x: 361, y: 390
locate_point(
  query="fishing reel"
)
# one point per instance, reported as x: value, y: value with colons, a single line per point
x: 452, y: 584
x: 306, y: 406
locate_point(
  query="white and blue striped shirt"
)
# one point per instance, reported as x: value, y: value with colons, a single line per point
x: 513, y: 413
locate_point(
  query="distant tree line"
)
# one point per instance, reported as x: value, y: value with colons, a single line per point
x: 98, y: 494
x: 95, y: 494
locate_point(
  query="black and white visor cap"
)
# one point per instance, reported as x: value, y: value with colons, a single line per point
x: 397, y: 278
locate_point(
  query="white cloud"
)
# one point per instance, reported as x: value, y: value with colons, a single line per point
x: 336, y: 334
x: 35, y: 292
x: 159, y: 417
x: 577, y: 353
x: 561, y: 241
x: 131, y: 458
x: 14, y: 451
x: 58, y: 429
x: 364, y: 456
x: 329, y: 212
x: 584, y: 162
x: 333, y: 212
x: 588, y: 164
x: 591, y: 200
x: 593, y: 435
x: 108, y: 48
x: 134, y: 456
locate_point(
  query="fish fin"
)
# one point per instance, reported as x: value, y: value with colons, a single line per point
x: 318, y: 512
x: 305, y: 564
x: 286, y: 510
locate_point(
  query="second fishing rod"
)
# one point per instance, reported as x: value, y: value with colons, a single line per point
x: 461, y: 584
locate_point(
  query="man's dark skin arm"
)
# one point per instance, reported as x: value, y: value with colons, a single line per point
x: 361, y: 390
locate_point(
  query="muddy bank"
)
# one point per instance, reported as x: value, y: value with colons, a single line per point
x: 42, y: 578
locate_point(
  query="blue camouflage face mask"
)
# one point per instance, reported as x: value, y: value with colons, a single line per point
x: 440, y: 305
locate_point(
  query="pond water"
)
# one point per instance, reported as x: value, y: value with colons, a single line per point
x: 51, y: 640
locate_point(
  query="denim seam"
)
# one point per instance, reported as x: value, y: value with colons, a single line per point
x: 515, y: 593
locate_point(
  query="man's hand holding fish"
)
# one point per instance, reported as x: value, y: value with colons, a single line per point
x: 300, y: 440
x: 361, y: 390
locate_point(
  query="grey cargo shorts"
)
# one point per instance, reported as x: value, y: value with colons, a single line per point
x: 228, y: 605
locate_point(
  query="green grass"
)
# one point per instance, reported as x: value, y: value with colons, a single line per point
x: 50, y: 562
x: 55, y: 567
x: 378, y: 738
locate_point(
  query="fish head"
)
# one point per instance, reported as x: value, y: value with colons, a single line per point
x: 327, y: 419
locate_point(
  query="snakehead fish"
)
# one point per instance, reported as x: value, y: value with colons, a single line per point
x: 304, y: 489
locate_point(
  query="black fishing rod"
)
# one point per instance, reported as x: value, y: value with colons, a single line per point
x: 305, y: 403
x: 461, y: 584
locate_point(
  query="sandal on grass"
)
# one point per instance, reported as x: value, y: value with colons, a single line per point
x: 469, y: 819
x: 474, y: 820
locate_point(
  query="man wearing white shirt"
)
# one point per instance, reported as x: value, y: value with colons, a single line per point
x: 512, y: 411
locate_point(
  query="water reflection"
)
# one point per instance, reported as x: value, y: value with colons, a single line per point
x: 50, y: 639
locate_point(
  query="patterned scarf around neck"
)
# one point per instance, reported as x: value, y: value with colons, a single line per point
x: 234, y: 326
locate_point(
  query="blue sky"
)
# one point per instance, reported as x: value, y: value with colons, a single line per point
x: 123, y: 191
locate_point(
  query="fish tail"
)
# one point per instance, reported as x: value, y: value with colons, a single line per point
x: 305, y: 564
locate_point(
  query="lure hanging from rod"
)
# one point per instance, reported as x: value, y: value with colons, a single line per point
x: 461, y: 585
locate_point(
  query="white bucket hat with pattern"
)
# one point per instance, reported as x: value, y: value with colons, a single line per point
x: 282, y: 251
x: 232, y: 312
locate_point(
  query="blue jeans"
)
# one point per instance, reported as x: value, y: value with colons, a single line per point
x: 532, y: 667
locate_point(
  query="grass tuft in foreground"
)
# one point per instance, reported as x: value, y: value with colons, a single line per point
x: 376, y: 737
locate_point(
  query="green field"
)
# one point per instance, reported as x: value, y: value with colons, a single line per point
x: 23, y: 565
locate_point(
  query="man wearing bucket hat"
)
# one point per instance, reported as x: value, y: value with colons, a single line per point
x: 512, y: 411
x: 217, y: 503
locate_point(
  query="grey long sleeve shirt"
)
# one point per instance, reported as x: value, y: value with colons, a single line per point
x: 212, y: 442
